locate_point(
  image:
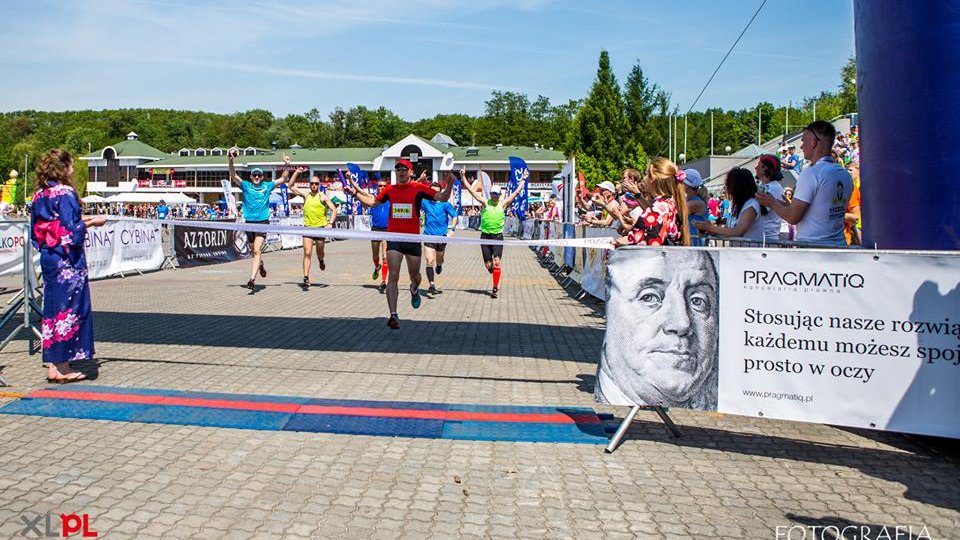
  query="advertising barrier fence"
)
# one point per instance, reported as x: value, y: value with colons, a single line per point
x: 12, y: 237
x: 845, y: 337
x: 121, y: 247
x: 195, y: 246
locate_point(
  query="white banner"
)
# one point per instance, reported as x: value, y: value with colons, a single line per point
x: 12, y: 237
x: 362, y: 222
x: 837, y: 337
x: 123, y: 246
x: 528, y: 226
x: 595, y: 264
x: 510, y: 226
x: 556, y: 233
x: 289, y: 241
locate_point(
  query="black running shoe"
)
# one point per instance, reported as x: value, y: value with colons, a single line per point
x: 263, y: 270
x: 383, y: 288
x: 394, y: 322
x: 432, y: 290
x: 493, y: 293
x: 439, y: 269
x: 306, y: 283
x: 250, y: 285
x: 322, y: 265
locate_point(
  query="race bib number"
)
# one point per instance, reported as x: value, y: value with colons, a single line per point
x: 402, y: 211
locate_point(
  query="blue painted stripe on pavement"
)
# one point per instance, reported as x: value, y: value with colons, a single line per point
x: 223, y: 418
x: 74, y: 408
x: 359, y: 425
x: 319, y: 423
x: 512, y: 431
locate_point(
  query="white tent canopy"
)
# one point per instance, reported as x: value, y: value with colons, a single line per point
x: 135, y: 197
x: 92, y: 199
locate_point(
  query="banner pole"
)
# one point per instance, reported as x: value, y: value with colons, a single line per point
x: 622, y: 430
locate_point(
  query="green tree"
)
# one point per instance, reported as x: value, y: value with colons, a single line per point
x: 600, y: 128
x: 641, y: 99
x: 848, y: 86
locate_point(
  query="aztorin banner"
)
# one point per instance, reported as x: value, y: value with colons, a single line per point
x: 862, y: 339
x: 195, y: 246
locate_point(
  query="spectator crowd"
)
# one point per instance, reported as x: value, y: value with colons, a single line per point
x: 668, y: 205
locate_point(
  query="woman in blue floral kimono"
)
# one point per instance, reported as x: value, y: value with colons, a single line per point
x: 59, y: 231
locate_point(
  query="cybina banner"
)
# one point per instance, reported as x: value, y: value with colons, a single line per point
x: 123, y: 246
x: 834, y: 337
x: 195, y: 246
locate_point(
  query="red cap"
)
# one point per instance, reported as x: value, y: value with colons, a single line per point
x: 405, y: 163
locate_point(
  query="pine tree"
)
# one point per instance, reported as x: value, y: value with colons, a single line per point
x: 600, y: 128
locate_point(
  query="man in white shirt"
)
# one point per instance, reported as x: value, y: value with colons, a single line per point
x: 823, y: 190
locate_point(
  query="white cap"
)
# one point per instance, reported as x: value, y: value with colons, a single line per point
x: 607, y: 185
x: 495, y: 190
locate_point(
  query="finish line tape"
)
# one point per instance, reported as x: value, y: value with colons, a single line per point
x: 350, y: 234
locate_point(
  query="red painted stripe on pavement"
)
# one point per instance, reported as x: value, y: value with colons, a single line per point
x: 298, y: 408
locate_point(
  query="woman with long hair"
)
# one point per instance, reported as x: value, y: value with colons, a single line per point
x: 769, y: 175
x: 745, y: 211
x: 663, y: 222
x: 58, y: 231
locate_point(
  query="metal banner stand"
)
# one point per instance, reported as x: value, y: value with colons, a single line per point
x: 622, y: 430
x: 169, y: 257
x: 27, y: 299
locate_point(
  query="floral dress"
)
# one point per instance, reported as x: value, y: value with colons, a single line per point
x: 59, y: 233
x: 657, y: 225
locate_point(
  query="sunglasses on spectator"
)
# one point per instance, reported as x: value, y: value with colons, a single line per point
x: 256, y: 176
x: 314, y: 183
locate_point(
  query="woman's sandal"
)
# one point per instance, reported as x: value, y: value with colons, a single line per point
x: 73, y: 377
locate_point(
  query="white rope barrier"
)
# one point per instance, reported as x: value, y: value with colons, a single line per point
x: 351, y: 234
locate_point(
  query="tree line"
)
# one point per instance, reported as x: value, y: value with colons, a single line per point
x: 612, y: 127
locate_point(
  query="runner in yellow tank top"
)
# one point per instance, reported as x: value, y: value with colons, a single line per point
x: 315, y: 205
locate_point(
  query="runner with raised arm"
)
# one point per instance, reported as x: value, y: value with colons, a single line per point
x: 492, y: 217
x: 315, y: 205
x: 404, y: 198
x: 256, y: 208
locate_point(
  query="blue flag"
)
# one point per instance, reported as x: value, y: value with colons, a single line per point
x: 518, y: 168
x: 456, y: 197
x: 355, y: 172
x: 285, y: 200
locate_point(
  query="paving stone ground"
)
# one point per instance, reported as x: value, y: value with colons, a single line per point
x: 197, y: 329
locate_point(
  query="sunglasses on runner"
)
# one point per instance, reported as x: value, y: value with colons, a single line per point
x: 256, y: 176
x: 314, y: 183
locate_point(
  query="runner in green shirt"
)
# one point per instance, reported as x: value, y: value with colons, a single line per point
x: 492, y: 217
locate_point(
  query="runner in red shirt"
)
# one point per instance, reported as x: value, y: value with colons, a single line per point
x: 404, y: 198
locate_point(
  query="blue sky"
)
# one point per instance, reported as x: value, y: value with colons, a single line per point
x: 417, y: 58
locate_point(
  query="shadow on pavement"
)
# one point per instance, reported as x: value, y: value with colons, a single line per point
x: 928, y: 478
x: 355, y: 335
x: 300, y: 367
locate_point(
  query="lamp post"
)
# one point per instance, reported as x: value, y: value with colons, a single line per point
x: 683, y: 156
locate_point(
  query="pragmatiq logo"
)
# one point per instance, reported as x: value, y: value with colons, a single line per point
x: 804, y: 280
